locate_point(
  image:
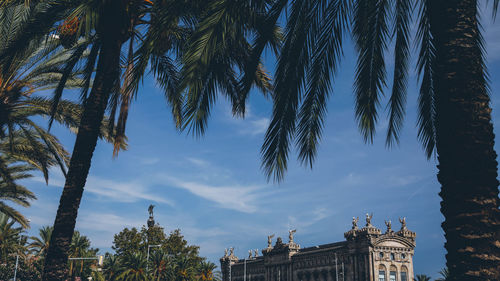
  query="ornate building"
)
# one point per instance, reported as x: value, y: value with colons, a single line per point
x: 365, y: 255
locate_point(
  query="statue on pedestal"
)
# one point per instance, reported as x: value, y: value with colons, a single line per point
x: 389, y: 226
x: 256, y: 253
x: 403, y: 223
x: 290, y: 236
x: 369, y: 219
x: 355, y: 222
x: 151, y: 220
x: 270, y: 241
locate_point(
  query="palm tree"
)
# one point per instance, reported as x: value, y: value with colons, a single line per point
x: 15, y: 193
x: 133, y: 268
x: 22, y: 139
x: 422, y: 277
x: 108, y: 26
x: 111, y: 267
x: 40, y: 244
x: 79, y: 246
x: 454, y: 114
x: 185, y: 269
x: 160, y: 265
x: 206, y: 271
x: 9, y: 237
x: 445, y: 275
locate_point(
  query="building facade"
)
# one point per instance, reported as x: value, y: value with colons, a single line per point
x: 367, y: 254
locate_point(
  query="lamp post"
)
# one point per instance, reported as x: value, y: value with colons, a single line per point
x: 17, y: 257
x: 147, y: 259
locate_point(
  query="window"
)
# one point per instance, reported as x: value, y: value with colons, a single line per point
x: 392, y: 276
x: 392, y: 257
x: 403, y: 256
x: 381, y: 275
x: 403, y: 276
x: 381, y: 255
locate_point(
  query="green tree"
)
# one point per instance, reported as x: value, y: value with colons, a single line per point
x: 111, y: 267
x: 454, y: 118
x: 10, y: 242
x: 109, y: 24
x: 445, y: 275
x: 206, y: 271
x: 38, y: 67
x: 133, y: 268
x: 40, y: 244
x: 13, y: 192
x: 161, y: 266
x: 80, y: 246
x: 422, y: 277
x: 128, y: 241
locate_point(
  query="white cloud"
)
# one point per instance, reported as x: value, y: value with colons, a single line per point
x: 255, y: 127
x: 128, y: 192
x: 198, y: 162
x: 123, y: 191
x: 237, y: 197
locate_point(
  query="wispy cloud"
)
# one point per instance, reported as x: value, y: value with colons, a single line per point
x: 307, y: 219
x: 254, y: 127
x: 235, y: 197
x: 198, y: 162
x: 118, y: 191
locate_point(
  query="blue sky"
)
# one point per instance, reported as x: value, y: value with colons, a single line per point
x: 214, y: 190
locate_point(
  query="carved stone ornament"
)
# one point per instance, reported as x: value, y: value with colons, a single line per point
x: 369, y: 219
x: 355, y: 222
x: 403, y: 223
x: 290, y: 235
x: 389, y: 226
x: 270, y: 241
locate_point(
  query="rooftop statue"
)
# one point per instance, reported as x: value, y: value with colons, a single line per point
x: 403, y: 223
x: 355, y: 222
x: 290, y: 235
x: 369, y: 219
x: 270, y: 241
x: 256, y: 253
x: 389, y: 226
x: 225, y: 253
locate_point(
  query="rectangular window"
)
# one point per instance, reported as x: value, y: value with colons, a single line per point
x: 403, y: 276
x: 381, y: 275
x: 392, y: 276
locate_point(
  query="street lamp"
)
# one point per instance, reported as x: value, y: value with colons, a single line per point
x: 147, y: 259
x: 17, y: 257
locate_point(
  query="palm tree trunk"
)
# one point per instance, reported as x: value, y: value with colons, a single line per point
x: 107, y: 73
x: 465, y: 140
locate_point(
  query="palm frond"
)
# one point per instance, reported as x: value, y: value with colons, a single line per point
x: 326, y: 56
x: 400, y: 79
x: 425, y: 67
x: 370, y: 33
x: 293, y: 62
x: 266, y: 34
x: 66, y: 73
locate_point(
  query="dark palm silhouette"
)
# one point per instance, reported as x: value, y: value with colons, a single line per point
x: 454, y: 118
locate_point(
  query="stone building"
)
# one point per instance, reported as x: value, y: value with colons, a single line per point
x: 365, y: 255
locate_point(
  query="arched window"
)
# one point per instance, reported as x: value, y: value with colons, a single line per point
x: 393, y: 273
x: 404, y: 273
x: 381, y: 273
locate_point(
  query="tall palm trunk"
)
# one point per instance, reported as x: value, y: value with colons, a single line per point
x: 111, y: 33
x: 465, y: 140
